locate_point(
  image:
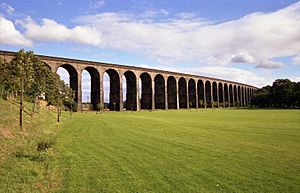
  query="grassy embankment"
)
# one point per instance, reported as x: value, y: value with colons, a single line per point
x: 22, y: 167
x: 167, y: 151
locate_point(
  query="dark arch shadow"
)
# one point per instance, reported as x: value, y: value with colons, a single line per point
x: 172, y: 93
x: 215, y: 94
x: 239, y: 96
x: 226, y: 95
x: 146, y: 91
x: 192, y: 93
x: 220, y: 87
x: 231, y: 95
x: 73, y: 80
x: 182, y: 93
x: 95, y: 87
x: 131, y: 90
x: 114, y: 94
x: 208, y: 94
x: 200, y: 87
x: 159, y: 92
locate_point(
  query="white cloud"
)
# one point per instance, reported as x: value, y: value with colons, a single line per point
x: 295, y: 79
x: 242, y: 58
x: 7, y: 8
x: 50, y: 30
x: 269, y: 64
x: 296, y: 59
x: 97, y: 4
x: 255, y: 38
x: 234, y: 74
x: 10, y: 35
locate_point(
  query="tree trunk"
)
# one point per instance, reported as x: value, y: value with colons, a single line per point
x: 58, y: 115
x: 33, y: 108
x: 21, y: 104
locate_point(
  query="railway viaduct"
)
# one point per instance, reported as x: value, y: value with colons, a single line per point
x: 159, y: 89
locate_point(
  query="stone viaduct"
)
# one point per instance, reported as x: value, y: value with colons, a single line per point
x: 159, y: 89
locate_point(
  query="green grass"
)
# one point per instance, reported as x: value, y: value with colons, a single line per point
x: 169, y: 151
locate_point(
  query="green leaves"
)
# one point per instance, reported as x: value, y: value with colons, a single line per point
x: 38, y: 80
x: 282, y: 94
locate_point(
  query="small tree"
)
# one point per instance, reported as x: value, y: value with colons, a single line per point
x: 201, y: 103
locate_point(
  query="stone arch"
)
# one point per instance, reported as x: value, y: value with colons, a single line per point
x: 73, y: 81
x: 208, y: 91
x: 242, y: 96
x: 248, y: 94
x: 192, y: 93
x: 114, y: 90
x: 231, y: 95
x: 182, y: 87
x: 146, y: 91
x: 201, y: 96
x: 95, y: 87
x: 215, y: 93
x: 131, y: 91
x: 159, y: 92
x: 172, y: 92
x: 235, y: 94
x: 239, y: 99
x: 49, y: 67
x: 221, y: 97
x: 226, y: 95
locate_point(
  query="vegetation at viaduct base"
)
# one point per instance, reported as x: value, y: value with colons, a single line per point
x: 282, y: 94
x: 26, y: 77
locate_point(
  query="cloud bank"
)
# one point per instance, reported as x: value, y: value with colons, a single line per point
x: 257, y: 38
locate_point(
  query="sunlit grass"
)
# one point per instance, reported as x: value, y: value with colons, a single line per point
x: 210, y: 150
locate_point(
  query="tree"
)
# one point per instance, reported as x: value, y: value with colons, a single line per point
x: 26, y: 75
x: 282, y: 94
x: 23, y: 69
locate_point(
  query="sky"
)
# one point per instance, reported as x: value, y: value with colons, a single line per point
x: 253, y: 42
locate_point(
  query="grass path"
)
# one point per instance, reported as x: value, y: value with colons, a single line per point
x: 181, y: 151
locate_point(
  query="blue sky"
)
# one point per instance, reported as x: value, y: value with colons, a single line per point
x: 253, y: 42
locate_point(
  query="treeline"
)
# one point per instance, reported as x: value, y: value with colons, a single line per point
x: 282, y: 94
x: 26, y: 77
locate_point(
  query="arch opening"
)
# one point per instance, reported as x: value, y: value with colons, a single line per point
x: 192, y: 93
x: 112, y: 90
x: 91, y: 88
x: 208, y: 94
x: 182, y: 93
x: 201, y: 100
x: 220, y: 87
x: 215, y: 94
x: 159, y: 86
x: 146, y: 91
x: 172, y: 93
x: 70, y: 76
x: 231, y: 95
x: 239, y: 98
x: 235, y: 95
x: 130, y: 97
x: 226, y: 95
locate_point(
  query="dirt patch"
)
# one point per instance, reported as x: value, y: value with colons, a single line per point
x: 6, y: 133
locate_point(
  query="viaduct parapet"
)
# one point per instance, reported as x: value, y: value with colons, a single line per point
x: 157, y: 89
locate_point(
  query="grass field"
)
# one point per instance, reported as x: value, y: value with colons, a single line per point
x: 164, y: 151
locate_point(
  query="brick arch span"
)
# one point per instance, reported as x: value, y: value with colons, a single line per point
x: 131, y: 90
x: 74, y: 81
x: 192, y: 93
x: 115, y: 89
x: 159, y: 92
x: 237, y: 93
x: 95, y: 86
x: 172, y: 92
